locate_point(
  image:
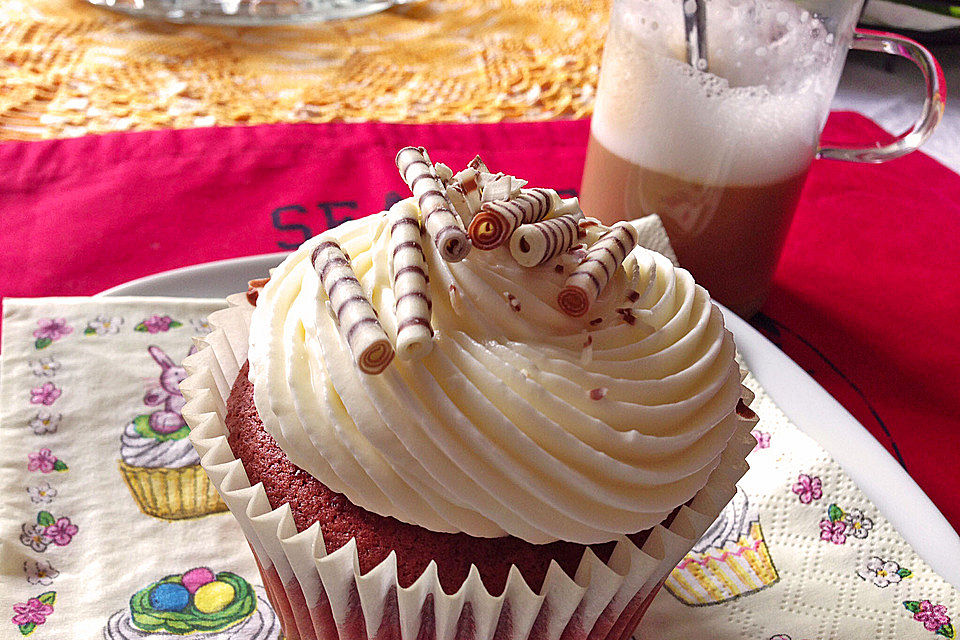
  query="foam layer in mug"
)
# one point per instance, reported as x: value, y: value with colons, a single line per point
x: 753, y: 119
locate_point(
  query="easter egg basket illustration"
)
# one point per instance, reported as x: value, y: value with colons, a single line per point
x: 197, y: 604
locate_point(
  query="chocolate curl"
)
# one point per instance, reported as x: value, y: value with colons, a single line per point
x: 464, y: 193
x: 441, y: 223
x: 410, y: 282
x: 583, y: 286
x: 478, y: 165
x: 497, y: 220
x: 443, y: 172
x: 496, y: 188
x: 253, y: 289
x: 534, y: 244
x: 355, y: 315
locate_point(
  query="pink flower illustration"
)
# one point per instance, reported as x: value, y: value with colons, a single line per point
x: 31, y: 612
x: 833, y: 531
x: 61, y: 532
x: 52, y: 329
x: 47, y: 394
x: 763, y: 438
x: 808, y: 488
x: 156, y: 324
x: 43, y: 461
x: 933, y: 616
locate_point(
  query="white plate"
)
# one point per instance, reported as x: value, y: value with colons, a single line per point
x: 805, y: 402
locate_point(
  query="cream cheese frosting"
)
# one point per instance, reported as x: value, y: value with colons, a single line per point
x: 521, y: 420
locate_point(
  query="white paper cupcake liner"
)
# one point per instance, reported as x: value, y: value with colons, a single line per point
x: 324, y: 596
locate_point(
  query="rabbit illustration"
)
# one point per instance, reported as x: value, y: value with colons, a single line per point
x: 168, y: 419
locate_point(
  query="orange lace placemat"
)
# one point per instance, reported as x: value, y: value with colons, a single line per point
x: 69, y: 69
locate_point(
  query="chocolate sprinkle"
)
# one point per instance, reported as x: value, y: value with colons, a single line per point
x: 633, y: 296
x: 598, y: 393
x: 626, y: 314
x: 596, y: 321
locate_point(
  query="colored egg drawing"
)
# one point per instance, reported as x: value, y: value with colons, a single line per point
x: 169, y: 596
x: 196, y: 578
x: 213, y: 596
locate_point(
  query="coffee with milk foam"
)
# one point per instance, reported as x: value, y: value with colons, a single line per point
x: 752, y: 118
x: 720, y: 153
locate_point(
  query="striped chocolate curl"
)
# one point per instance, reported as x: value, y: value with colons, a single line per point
x: 441, y: 223
x: 498, y: 219
x: 411, y: 289
x: 583, y: 286
x: 534, y: 244
x: 355, y: 316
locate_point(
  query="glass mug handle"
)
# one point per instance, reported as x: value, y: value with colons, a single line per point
x: 933, y: 103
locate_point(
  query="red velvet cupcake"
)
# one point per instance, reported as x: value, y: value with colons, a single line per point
x: 423, y: 440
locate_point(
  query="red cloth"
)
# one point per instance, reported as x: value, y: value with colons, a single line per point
x: 865, y: 298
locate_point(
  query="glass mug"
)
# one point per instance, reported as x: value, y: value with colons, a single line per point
x: 720, y: 149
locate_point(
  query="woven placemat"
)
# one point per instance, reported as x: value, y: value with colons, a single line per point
x: 70, y: 69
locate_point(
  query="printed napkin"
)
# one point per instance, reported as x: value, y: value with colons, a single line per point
x: 800, y: 554
x: 104, y: 521
x: 103, y: 495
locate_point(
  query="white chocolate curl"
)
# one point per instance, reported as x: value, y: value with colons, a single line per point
x: 411, y: 290
x: 534, y: 244
x: 497, y: 220
x: 355, y: 315
x: 440, y: 222
x: 464, y: 193
x: 478, y: 165
x: 583, y: 286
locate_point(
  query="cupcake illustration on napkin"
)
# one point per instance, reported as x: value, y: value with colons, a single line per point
x: 730, y: 560
x: 158, y: 463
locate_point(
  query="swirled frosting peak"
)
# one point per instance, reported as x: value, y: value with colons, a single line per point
x: 521, y: 419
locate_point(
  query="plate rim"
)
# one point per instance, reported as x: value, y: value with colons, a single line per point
x: 908, y: 509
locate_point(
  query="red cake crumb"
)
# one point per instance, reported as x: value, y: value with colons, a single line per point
x: 376, y: 535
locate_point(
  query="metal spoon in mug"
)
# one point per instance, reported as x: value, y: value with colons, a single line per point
x: 695, y: 24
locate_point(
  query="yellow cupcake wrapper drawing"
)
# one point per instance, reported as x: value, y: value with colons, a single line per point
x: 172, y: 494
